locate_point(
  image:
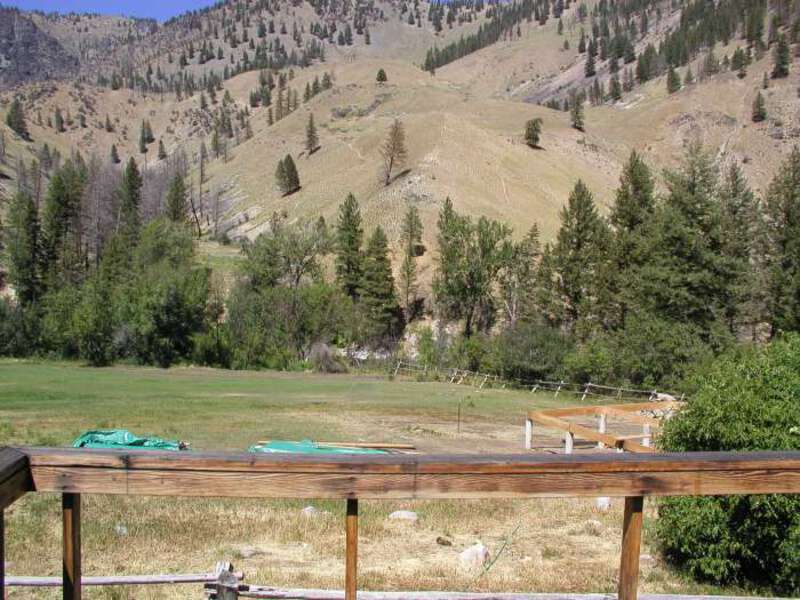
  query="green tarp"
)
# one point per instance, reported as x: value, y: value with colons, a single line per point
x: 120, y: 438
x: 308, y: 447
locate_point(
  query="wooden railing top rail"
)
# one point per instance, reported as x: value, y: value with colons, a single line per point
x: 73, y: 472
x: 410, y: 476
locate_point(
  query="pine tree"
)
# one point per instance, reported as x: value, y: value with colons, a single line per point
x: 130, y: 199
x: 615, y: 88
x: 312, y: 139
x: 688, y: 279
x: 108, y: 126
x: 22, y: 249
x: 59, y: 121
x: 15, y: 119
x: 114, y: 155
x: 590, y: 69
x: 142, y: 141
x: 673, y: 81
x: 631, y: 214
x: 176, y: 200
x: 393, y: 151
x: 381, y: 77
x: 349, y: 237
x: 781, y: 58
x: 411, y: 242
x: 533, y: 131
x: 162, y: 152
x: 688, y: 79
x: 782, y: 207
x: 578, y: 255
x: 759, y: 108
x: 576, y: 111
x: 376, y: 290
x: 286, y: 176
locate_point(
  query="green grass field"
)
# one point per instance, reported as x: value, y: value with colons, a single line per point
x: 562, y: 545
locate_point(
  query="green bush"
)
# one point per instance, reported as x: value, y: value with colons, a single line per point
x: 648, y: 351
x: 746, y: 401
x: 529, y: 351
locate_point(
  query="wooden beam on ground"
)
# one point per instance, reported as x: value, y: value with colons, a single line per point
x: 71, y: 514
x: 37, y: 582
x: 275, y: 593
x: 631, y: 546
x: 351, y: 550
x: 400, y: 476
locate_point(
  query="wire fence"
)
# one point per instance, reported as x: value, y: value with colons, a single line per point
x: 480, y: 381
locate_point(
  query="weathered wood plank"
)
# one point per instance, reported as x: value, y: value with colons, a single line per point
x: 15, y: 478
x: 423, y: 485
x: 71, y: 573
x: 125, y: 460
x: 631, y: 546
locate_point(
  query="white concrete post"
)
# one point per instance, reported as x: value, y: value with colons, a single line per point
x: 528, y: 434
x: 646, y: 439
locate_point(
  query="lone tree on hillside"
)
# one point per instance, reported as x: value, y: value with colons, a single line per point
x: 533, y: 130
x: 312, y: 139
x: 287, y: 177
x: 381, y: 78
x: 781, y: 58
x: 759, y: 108
x: 576, y: 111
x: 393, y: 151
x: 114, y: 155
x: 15, y: 119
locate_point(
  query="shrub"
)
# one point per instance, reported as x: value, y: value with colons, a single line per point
x: 748, y: 400
x: 528, y: 351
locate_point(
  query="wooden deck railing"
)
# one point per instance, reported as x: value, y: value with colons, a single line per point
x: 361, y: 477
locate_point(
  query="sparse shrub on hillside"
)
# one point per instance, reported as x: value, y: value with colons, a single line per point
x: 746, y: 401
x: 381, y: 77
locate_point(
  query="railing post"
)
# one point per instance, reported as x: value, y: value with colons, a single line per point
x: 631, y: 546
x: 351, y: 550
x: 2, y: 554
x: 71, y: 573
x: 528, y: 434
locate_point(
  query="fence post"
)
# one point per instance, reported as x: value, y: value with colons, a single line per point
x: 2, y: 554
x: 351, y: 550
x: 646, y: 440
x: 601, y: 427
x: 631, y: 546
x: 586, y: 391
x: 558, y: 389
x: 71, y: 572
